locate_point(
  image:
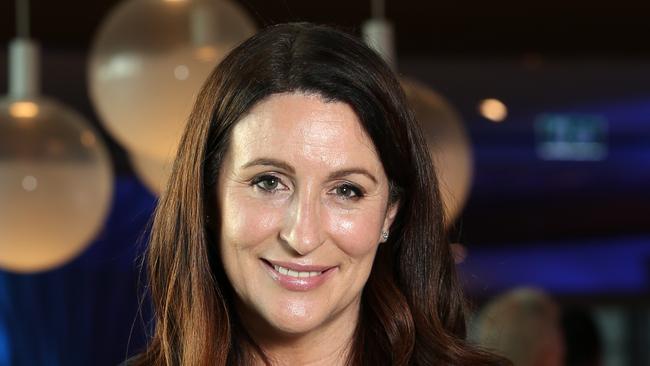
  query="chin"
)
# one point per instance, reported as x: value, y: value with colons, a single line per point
x: 295, y: 318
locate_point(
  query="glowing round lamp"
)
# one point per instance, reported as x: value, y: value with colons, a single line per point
x: 493, y: 109
x: 55, y: 174
x: 153, y: 172
x: 150, y: 58
x: 448, y: 143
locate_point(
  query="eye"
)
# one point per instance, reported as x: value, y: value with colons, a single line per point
x: 348, y: 191
x: 269, y: 183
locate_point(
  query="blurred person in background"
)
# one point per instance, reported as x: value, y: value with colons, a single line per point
x: 524, y: 326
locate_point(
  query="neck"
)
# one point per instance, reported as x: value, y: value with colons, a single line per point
x: 308, y: 352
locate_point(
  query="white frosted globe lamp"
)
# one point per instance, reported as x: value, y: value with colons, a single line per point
x: 448, y: 143
x: 153, y: 172
x: 447, y: 139
x: 148, y: 62
x: 56, y: 180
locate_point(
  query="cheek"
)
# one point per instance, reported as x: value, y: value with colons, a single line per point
x: 357, y: 232
x: 246, y: 222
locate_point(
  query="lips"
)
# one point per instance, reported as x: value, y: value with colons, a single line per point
x: 296, y: 276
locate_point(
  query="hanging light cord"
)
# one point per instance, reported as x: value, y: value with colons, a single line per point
x: 22, y: 18
x: 378, y: 9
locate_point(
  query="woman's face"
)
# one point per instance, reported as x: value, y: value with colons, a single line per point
x: 303, y: 199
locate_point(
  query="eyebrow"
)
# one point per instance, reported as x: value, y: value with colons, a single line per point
x: 270, y: 162
x: 287, y: 167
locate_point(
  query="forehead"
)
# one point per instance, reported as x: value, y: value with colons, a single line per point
x: 303, y: 127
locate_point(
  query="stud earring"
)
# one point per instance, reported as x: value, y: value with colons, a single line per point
x: 384, y: 236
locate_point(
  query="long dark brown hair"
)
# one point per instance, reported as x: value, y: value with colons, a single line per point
x: 412, y: 308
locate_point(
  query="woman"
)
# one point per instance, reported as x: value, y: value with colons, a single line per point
x: 302, y: 222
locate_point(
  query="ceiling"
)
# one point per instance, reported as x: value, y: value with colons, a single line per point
x: 500, y: 28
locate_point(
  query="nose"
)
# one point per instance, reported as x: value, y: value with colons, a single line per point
x: 303, y: 229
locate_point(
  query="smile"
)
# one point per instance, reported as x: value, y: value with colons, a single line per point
x: 297, y: 277
x: 292, y: 273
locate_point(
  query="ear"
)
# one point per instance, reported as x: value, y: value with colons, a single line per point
x: 391, y: 213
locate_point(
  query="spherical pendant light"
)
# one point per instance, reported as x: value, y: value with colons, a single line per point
x: 56, y: 178
x: 447, y: 139
x: 149, y: 59
x: 153, y: 172
x: 448, y: 143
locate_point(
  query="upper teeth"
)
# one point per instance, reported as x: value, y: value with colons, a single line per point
x: 292, y: 273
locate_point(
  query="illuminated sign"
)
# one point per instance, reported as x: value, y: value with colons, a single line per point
x: 577, y: 137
